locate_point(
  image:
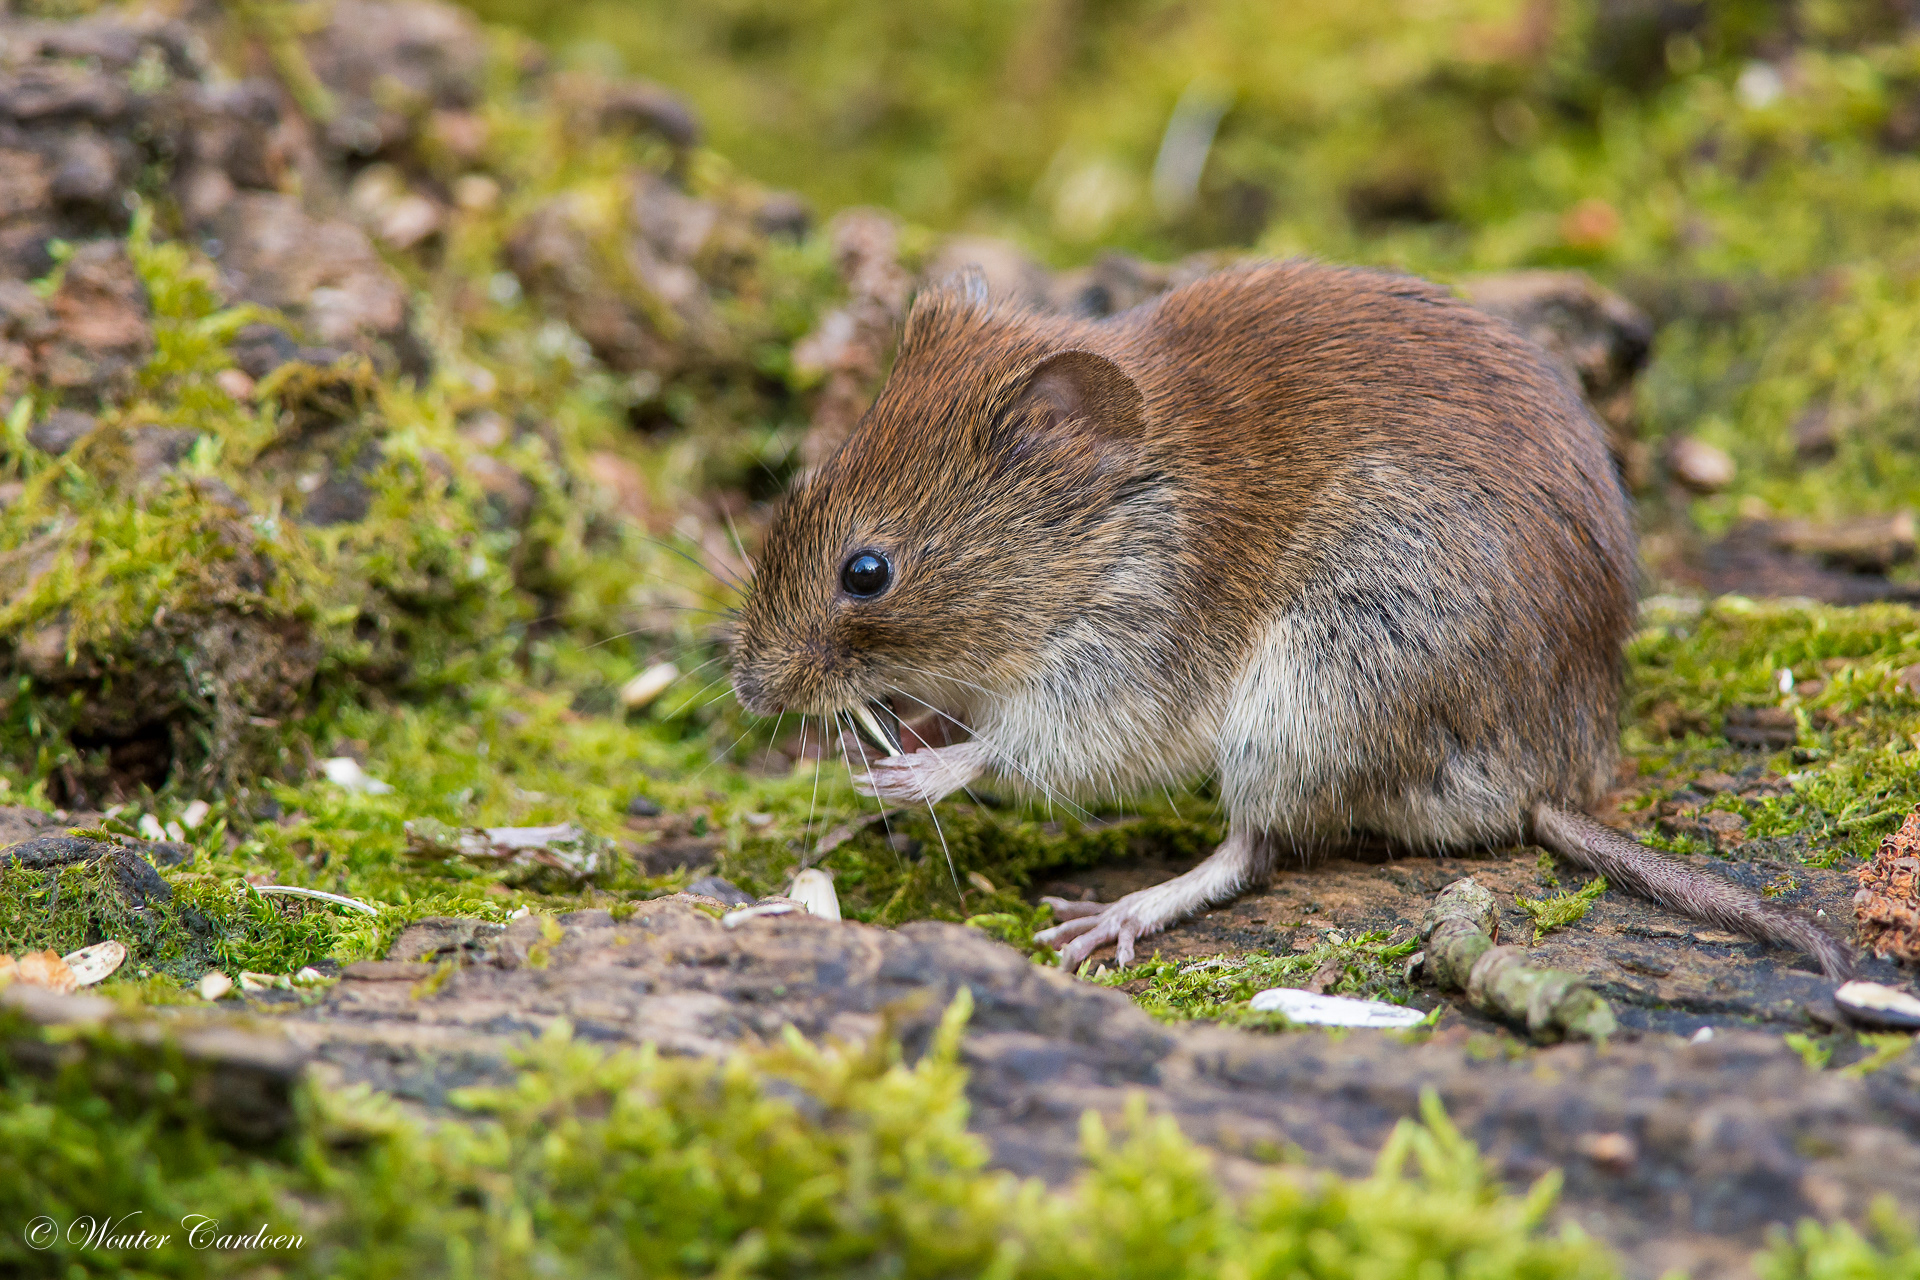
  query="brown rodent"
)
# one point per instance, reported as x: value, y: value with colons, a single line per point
x: 1331, y: 534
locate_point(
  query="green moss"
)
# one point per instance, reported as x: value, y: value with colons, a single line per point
x: 1562, y: 909
x: 1883, y: 1049
x: 1855, y: 770
x: 78, y: 906
x: 880, y: 884
x: 1218, y: 988
x: 210, y: 922
x: 1812, y: 1051
x: 799, y: 1161
x: 1889, y: 1250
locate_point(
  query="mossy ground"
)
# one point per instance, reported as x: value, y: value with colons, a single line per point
x: 793, y: 1162
x: 469, y: 653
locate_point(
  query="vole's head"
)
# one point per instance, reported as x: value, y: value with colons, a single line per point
x: 980, y: 504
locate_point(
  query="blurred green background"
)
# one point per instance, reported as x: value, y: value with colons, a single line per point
x: 1746, y: 172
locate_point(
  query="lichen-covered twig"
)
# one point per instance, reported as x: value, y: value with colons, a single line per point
x: 1461, y: 956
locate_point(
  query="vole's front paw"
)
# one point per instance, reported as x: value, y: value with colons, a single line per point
x: 1088, y: 926
x: 926, y: 775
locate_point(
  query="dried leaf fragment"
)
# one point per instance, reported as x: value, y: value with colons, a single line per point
x: 1886, y: 907
x: 40, y: 968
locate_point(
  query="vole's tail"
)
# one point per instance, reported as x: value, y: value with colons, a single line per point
x: 1629, y: 864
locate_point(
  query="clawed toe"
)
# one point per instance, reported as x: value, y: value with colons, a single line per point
x: 1067, y: 930
x: 1076, y: 940
x: 1065, y: 910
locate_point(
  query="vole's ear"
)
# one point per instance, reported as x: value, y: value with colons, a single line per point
x: 1075, y: 403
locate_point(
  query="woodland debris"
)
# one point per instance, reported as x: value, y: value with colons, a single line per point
x: 725, y: 892
x: 842, y: 832
x: 1756, y: 558
x: 96, y: 963
x: 764, y: 907
x: 572, y: 851
x: 41, y: 969
x: 345, y: 772
x: 1458, y: 930
x: 1868, y: 544
x: 1886, y: 908
x: 1762, y: 728
x: 318, y: 895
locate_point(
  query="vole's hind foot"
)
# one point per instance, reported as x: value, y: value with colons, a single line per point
x: 1088, y: 926
x: 923, y: 776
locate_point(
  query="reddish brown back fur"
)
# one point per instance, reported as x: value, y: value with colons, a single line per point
x: 1408, y: 475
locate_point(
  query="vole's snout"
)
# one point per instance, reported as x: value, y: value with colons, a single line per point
x: 788, y: 674
x: 751, y: 691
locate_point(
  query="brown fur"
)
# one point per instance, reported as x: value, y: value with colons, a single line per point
x: 1331, y: 532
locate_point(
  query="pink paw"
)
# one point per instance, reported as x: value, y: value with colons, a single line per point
x: 919, y: 776
x: 1088, y: 926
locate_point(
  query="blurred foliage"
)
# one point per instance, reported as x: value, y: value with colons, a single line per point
x: 1749, y: 172
x: 792, y: 1161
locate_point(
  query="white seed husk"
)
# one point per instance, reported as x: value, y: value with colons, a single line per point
x: 97, y: 962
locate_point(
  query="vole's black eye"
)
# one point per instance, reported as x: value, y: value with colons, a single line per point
x: 866, y: 574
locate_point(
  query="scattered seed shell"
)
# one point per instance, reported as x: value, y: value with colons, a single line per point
x: 734, y: 919
x: 250, y: 981
x: 980, y: 882
x: 1880, y: 1005
x: 345, y: 772
x: 1334, y: 1011
x: 214, y: 985
x: 97, y: 962
x: 648, y: 685
x: 813, y: 889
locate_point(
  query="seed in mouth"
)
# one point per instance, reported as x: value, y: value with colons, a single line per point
x: 879, y: 727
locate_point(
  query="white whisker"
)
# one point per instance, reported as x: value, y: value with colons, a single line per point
x: 958, y: 892
x: 714, y: 760
x: 817, y: 760
x: 702, y: 689
x: 745, y: 559
x: 885, y: 826
x: 729, y: 581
